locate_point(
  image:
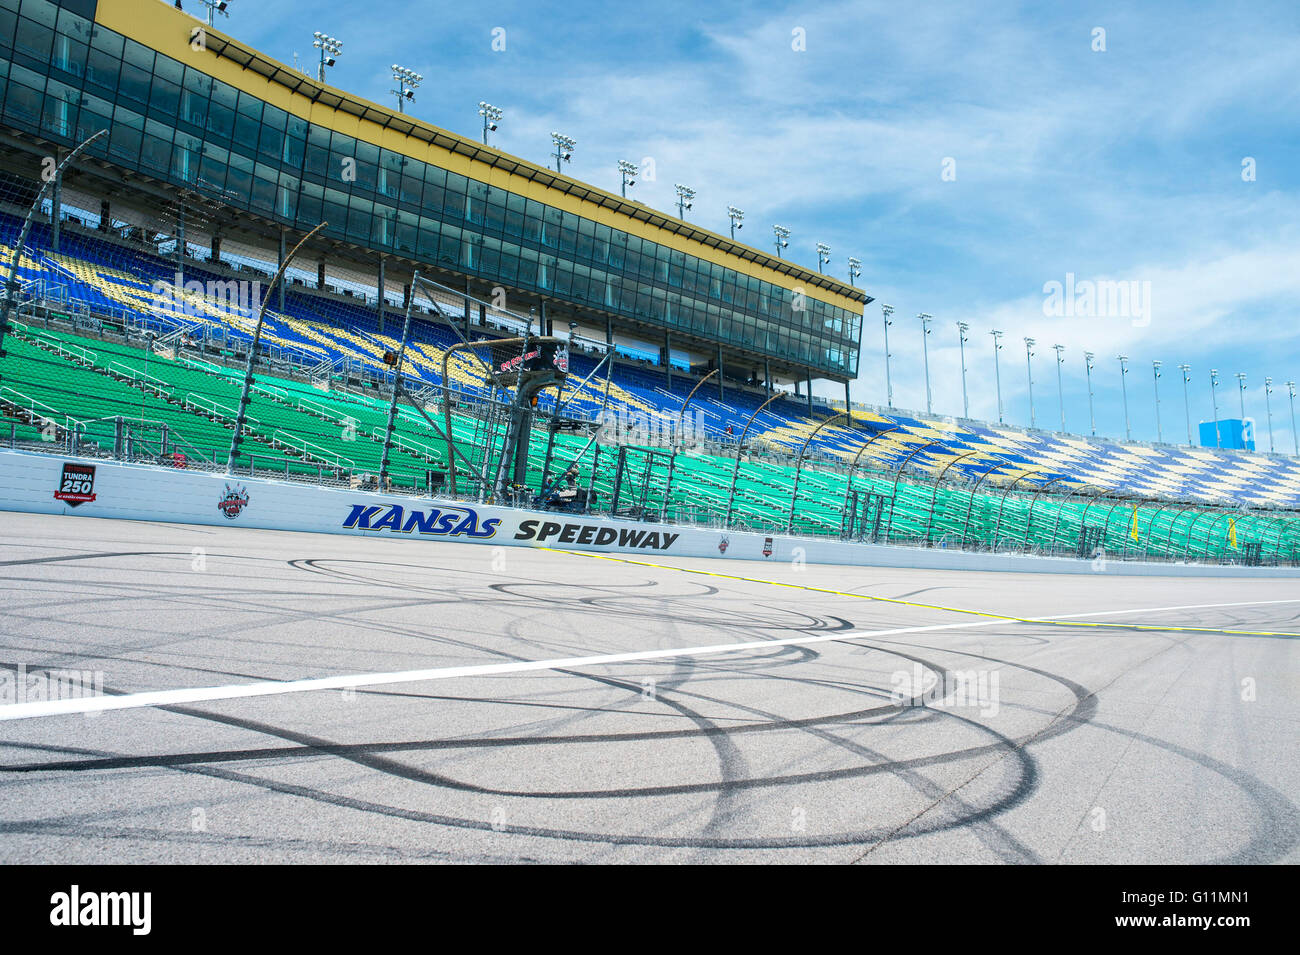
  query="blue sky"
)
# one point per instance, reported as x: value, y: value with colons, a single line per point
x: 1122, y: 164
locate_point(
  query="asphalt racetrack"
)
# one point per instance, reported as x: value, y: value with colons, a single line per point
x: 544, y: 706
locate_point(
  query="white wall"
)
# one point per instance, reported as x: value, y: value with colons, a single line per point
x: 29, y: 481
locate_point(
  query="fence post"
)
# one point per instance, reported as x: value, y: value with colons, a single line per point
x: 672, y: 462
x: 997, y: 528
x: 735, y: 470
x: 934, y: 492
x: 1060, y: 512
x: 1029, y: 521
x: 798, y: 464
x: 252, y: 348
x: 848, y: 484
x: 898, y: 473
x: 397, y: 374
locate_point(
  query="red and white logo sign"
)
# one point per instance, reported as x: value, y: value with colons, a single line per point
x: 233, y: 501
x: 767, y: 547
x: 77, y: 485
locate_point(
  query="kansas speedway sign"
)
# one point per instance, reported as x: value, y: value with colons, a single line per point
x: 599, y: 535
x: 483, y: 524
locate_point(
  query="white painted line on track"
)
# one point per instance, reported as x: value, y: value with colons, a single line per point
x: 46, y: 708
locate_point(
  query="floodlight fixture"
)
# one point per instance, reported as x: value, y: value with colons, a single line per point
x: 330, y: 47
x: 627, y: 171
x: 684, y: 196
x: 735, y: 215
x: 408, y: 81
x: 782, y: 238
x: 564, y: 147
x: 491, y: 117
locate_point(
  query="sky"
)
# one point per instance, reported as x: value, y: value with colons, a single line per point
x: 970, y: 155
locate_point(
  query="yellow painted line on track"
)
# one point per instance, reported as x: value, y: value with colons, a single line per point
x: 1053, y: 621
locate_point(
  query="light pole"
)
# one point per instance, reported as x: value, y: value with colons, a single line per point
x: 1241, y: 392
x: 1295, y: 440
x: 735, y: 215
x: 962, y: 329
x: 1155, y: 381
x: 1087, y: 370
x: 1029, y: 369
x: 855, y: 268
x: 491, y: 116
x: 1187, y: 407
x: 823, y: 255
x: 1214, y: 400
x: 997, y: 370
x: 684, y: 196
x: 216, y: 6
x: 408, y: 81
x: 887, y: 310
x: 564, y: 147
x: 782, y: 238
x: 1060, y: 389
x: 925, y: 350
x: 627, y: 171
x: 1123, y: 383
x: 1268, y: 410
x: 329, y: 48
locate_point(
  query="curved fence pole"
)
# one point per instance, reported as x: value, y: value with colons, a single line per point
x: 397, y: 379
x: 970, y: 505
x: 848, y: 486
x: 242, y: 414
x: 1261, y: 524
x: 997, y: 528
x: 798, y: 464
x: 735, y: 470
x: 1029, y: 523
x: 11, y: 280
x: 689, y: 398
x: 934, y: 492
x: 1187, y: 542
x: 1222, y: 513
x: 898, y: 472
x: 1256, y: 519
x: 1083, y: 521
x: 1060, y: 512
x: 1292, y: 528
x: 1105, y: 527
x: 1169, y: 538
x: 1209, y: 538
x: 681, y: 415
x: 1151, y: 527
x: 1283, y: 523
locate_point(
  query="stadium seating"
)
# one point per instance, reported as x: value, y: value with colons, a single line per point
x: 322, y: 425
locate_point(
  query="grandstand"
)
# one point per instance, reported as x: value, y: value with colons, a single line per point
x: 125, y: 339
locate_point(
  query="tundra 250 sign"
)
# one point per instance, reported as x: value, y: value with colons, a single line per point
x: 76, y: 484
x: 542, y: 531
x: 441, y: 522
